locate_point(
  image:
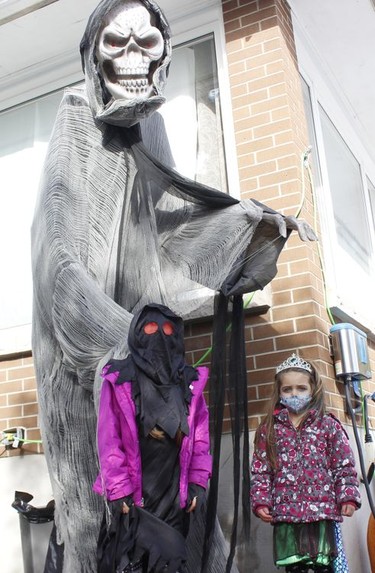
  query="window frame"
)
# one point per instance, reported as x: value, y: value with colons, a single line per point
x: 354, y: 307
x: 64, y: 71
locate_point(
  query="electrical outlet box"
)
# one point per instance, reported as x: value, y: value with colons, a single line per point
x: 13, y: 437
x: 349, y: 345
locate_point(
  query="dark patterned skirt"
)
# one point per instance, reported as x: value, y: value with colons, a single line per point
x: 307, y: 543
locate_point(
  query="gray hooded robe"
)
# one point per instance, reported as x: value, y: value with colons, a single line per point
x: 113, y: 230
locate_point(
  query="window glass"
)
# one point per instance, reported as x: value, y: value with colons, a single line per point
x: 314, y: 160
x: 24, y: 139
x: 346, y: 188
x: 192, y: 121
x: 371, y: 190
x: 192, y: 114
x: 344, y: 218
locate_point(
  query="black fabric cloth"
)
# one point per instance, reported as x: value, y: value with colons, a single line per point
x: 228, y: 380
x: 55, y: 554
x: 254, y: 268
x: 139, y: 536
x: 154, y: 536
x: 161, y: 481
x: 297, y: 568
x: 157, y: 369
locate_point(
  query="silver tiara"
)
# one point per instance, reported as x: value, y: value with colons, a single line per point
x: 294, y: 361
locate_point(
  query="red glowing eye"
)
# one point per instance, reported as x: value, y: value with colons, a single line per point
x: 168, y: 328
x: 150, y: 328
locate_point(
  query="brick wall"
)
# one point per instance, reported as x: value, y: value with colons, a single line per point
x: 18, y: 402
x: 271, y: 137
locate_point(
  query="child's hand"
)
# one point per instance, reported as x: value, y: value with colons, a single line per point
x: 264, y: 514
x: 196, y: 497
x: 347, y: 509
x: 126, y: 503
x: 192, y: 505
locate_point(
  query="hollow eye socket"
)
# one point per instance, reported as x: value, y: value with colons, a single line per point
x: 150, y: 328
x: 168, y: 328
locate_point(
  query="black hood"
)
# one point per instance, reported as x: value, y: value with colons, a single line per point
x: 161, y: 379
x: 122, y: 112
x: 159, y: 355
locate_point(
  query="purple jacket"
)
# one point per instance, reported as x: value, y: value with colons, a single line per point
x: 118, y: 444
x: 315, y: 474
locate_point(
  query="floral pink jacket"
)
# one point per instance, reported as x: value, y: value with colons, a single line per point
x: 118, y: 444
x: 315, y: 471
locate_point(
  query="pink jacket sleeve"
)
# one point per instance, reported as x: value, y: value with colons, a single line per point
x: 113, y: 481
x: 200, y: 466
x: 261, y: 477
x: 342, y: 464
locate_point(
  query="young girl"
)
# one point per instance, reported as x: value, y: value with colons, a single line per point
x: 303, y: 474
x: 153, y: 446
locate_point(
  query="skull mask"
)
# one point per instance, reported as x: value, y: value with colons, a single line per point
x: 129, y: 49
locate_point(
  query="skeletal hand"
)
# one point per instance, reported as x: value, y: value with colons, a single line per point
x: 305, y: 231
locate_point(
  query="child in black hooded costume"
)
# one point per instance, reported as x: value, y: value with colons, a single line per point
x: 153, y: 443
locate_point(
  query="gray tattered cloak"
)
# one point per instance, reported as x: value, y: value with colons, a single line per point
x: 114, y: 230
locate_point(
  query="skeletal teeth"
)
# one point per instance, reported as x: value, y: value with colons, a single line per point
x: 132, y: 82
x: 132, y: 86
x: 143, y: 71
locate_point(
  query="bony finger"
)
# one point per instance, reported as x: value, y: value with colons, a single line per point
x: 282, y: 227
x: 312, y: 236
x: 306, y: 233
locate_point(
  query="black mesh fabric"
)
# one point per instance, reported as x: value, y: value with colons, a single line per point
x: 228, y: 381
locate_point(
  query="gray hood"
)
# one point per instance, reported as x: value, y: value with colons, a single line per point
x: 122, y: 112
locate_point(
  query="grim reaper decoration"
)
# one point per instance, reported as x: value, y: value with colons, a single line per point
x: 115, y: 229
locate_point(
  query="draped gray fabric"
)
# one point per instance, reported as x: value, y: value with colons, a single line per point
x: 113, y: 230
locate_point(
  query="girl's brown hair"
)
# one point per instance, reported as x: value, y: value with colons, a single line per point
x: 317, y: 402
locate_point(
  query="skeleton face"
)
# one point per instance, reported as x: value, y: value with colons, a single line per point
x: 128, y: 50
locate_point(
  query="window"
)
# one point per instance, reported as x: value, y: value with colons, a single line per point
x: 192, y: 114
x: 192, y: 118
x: 346, y: 205
x: 25, y: 133
x: 346, y: 187
x: 315, y: 166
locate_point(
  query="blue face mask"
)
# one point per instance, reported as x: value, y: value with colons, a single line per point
x: 296, y: 403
